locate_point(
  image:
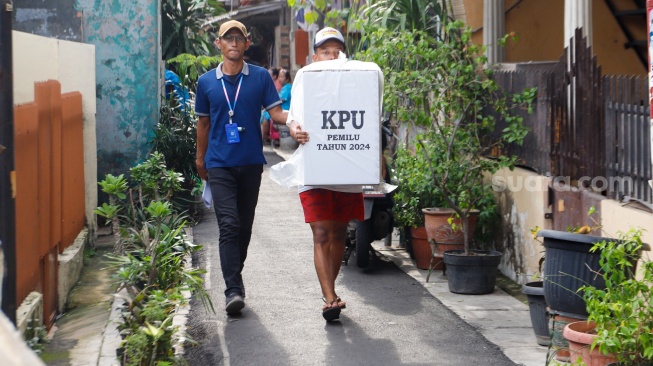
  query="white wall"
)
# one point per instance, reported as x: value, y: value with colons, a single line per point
x: 37, y: 58
x: 616, y: 218
x: 522, y: 201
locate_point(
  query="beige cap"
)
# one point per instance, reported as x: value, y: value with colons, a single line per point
x: 226, y: 26
x: 326, y: 34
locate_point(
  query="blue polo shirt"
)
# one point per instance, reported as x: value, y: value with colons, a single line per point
x: 256, y: 91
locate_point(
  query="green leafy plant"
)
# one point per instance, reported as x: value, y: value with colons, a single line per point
x: 190, y: 67
x: 406, y: 15
x: 439, y: 85
x: 623, y: 311
x: 147, y: 328
x: 323, y: 13
x: 115, y: 187
x: 36, y: 335
x: 182, y: 26
x: 155, y: 180
x: 175, y: 133
x: 414, y: 189
x: 152, y: 263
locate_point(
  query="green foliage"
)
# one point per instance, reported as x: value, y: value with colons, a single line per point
x: 108, y: 211
x: 175, y: 134
x: 414, y: 188
x: 438, y: 85
x: 182, y: 30
x: 190, y: 67
x: 114, y: 186
x: 154, y: 179
x: 323, y: 13
x: 175, y: 138
x: 406, y: 15
x: 36, y: 336
x: 89, y: 253
x: 623, y: 311
x: 147, y: 329
x: 151, y: 262
x: 159, y: 210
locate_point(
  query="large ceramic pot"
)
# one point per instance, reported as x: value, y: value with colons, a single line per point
x: 474, y: 274
x: 579, y: 336
x: 422, y: 250
x: 534, y: 291
x: 438, y: 228
x: 569, y: 265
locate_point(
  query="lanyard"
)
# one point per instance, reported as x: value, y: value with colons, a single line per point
x: 231, y: 110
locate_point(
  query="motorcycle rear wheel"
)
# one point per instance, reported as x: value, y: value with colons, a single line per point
x: 363, y: 243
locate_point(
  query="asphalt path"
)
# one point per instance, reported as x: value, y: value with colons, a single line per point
x: 390, y: 318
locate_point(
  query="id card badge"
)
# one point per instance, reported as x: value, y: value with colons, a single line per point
x: 233, y: 137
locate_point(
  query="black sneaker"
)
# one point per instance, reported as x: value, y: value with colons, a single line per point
x: 234, y: 304
x: 242, y: 288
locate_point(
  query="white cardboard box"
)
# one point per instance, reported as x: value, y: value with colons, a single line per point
x: 342, y: 117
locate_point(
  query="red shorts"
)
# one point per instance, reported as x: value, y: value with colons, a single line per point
x: 323, y: 204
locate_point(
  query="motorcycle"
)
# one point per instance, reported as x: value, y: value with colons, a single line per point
x: 379, y: 221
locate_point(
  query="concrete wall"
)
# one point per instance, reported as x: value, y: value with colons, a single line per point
x: 616, y: 217
x: 52, y: 19
x: 522, y: 202
x: 126, y: 35
x: 540, y: 28
x: 37, y: 58
x: 608, y: 41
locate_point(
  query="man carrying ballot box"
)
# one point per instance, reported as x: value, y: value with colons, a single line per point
x: 328, y: 209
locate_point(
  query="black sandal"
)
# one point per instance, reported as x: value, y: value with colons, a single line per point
x: 332, y: 311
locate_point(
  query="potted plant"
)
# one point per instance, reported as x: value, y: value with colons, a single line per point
x: 414, y: 192
x: 537, y: 308
x: 437, y: 82
x: 620, y: 313
x: 573, y: 260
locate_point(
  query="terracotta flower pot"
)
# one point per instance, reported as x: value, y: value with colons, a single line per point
x: 559, y: 344
x: 438, y: 228
x: 580, y: 337
x: 422, y: 250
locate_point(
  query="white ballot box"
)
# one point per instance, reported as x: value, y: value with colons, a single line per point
x: 341, y: 113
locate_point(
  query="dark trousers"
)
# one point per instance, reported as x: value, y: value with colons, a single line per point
x: 235, y: 195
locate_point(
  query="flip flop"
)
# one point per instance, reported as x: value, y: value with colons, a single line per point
x: 332, y: 312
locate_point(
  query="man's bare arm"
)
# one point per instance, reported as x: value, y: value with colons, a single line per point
x: 278, y: 115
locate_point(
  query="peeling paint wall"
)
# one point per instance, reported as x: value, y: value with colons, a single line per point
x: 521, y: 197
x: 126, y: 35
x: 48, y: 18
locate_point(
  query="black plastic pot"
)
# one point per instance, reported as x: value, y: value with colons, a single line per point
x: 472, y: 274
x: 569, y: 265
x: 534, y: 291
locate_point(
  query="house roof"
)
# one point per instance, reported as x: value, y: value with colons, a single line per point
x: 245, y: 12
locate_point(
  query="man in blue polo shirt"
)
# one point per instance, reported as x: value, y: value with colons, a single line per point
x: 230, y: 149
